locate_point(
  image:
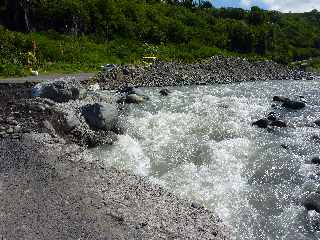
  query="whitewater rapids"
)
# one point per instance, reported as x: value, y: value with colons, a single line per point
x: 199, y: 143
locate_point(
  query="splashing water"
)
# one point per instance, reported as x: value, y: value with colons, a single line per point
x: 199, y: 143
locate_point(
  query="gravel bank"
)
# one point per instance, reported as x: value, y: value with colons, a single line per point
x: 217, y: 69
x: 51, y: 190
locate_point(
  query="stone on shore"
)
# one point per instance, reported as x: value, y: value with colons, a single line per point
x: 59, y: 91
x: 103, y: 116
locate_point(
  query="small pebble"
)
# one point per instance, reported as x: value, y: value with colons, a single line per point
x: 10, y: 130
x: 17, y: 128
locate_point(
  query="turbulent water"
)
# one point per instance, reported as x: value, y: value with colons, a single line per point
x: 199, y: 143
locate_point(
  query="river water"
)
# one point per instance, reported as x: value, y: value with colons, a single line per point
x: 199, y: 143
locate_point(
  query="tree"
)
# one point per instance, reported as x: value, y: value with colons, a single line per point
x: 205, y: 4
x: 256, y: 16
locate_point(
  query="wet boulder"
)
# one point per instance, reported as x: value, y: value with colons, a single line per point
x: 134, y: 90
x: 280, y: 99
x: 294, y: 105
x: 101, y: 116
x: 59, y: 91
x: 134, y: 98
x: 312, y: 202
x: 165, y: 92
x: 262, y: 123
x: 132, y: 95
x: 278, y: 123
x: 272, y: 116
x: 315, y: 160
x: 314, y: 220
x: 317, y: 122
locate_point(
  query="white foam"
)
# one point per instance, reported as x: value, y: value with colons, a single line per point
x: 199, y: 143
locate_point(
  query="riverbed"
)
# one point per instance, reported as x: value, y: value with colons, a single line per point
x: 199, y: 142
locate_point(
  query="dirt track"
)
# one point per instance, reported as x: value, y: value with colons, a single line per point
x: 36, y: 79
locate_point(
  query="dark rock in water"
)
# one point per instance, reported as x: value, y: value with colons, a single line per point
x: 262, y: 123
x: 60, y: 91
x: 165, y: 92
x: 272, y: 116
x: 132, y: 95
x: 295, y: 105
x: 284, y: 146
x: 278, y: 123
x: 317, y: 122
x: 132, y: 90
x: 302, y: 99
x: 315, y: 138
x: 196, y: 205
x: 101, y: 115
x: 315, y: 160
x: 312, y: 202
x: 134, y: 98
x: 280, y: 99
x: 314, y: 220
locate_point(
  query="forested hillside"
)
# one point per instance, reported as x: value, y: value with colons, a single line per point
x: 124, y: 30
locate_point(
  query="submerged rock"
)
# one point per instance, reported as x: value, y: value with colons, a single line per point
x: 102, y: 116
x: 134, y: 98
x: 314, y: 220
x: 317, y: 122
x: 165, y: 92
x: 315, y: 160
x: 280, y: 99
x: 133, y: 90
x: 294, y: 105
x: 312, y: 202
x: 262, y: 123
x: 272, y: 116
x: 132, y: 95
x: 278, y: 123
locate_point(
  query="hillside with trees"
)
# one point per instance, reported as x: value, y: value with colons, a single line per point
x: 86, y: 33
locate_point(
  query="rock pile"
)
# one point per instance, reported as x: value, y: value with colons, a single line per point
x: 217, y: 69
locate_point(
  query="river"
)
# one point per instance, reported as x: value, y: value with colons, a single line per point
x: 199, y: 143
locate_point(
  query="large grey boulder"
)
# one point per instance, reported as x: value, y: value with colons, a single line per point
x: 60, y: 90
x: 101, y: 115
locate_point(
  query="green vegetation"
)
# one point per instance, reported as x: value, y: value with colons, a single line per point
x: 71, y: 35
